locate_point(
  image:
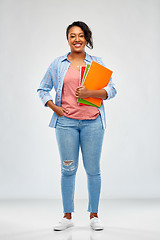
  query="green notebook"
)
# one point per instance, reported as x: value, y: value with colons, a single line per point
x: 81, y: 100
x: 85, y: 74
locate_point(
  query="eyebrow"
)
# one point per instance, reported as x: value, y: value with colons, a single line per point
x: 79, y: 33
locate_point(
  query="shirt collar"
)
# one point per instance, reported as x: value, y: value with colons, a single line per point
x: 87, y: 57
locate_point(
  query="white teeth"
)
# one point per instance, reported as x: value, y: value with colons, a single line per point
x: 78, y: 45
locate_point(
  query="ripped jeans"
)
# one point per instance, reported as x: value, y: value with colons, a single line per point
x: 87, y: 134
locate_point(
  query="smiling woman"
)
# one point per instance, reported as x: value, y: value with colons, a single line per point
x: 77, y: 42
x: 84, y: 31
x: 76, y: 125
x: 76, y: 39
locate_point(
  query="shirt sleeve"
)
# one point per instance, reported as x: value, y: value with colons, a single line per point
x: 110, y: 88
x: 45, y: 87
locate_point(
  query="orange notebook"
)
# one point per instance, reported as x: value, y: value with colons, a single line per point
x: 82, y: 101
x: 97, y: 78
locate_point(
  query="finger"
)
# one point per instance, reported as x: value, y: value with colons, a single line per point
x: 80, y: 87
x: 64, y: 110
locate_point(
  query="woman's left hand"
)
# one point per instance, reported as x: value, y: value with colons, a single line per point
x: 82, y: 92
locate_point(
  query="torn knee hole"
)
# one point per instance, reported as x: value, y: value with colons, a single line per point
x: 67, y: 162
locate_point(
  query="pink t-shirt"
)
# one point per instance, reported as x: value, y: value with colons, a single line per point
x: 69, y: 100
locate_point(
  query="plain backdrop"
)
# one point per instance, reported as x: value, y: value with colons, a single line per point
x: 126, y: 35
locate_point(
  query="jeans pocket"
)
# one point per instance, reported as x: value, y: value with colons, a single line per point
x: 59, y: 118
x: 99, y: 118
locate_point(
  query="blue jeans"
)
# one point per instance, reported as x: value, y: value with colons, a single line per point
x: 71, y: 134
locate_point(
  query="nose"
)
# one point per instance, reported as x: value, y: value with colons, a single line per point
x: 77, y: 38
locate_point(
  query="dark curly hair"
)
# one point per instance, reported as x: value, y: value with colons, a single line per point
x: 85, y: 29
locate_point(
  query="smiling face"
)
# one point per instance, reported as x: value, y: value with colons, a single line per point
x: 76, y: 39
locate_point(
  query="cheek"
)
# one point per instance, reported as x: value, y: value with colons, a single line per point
x: 85, y: 42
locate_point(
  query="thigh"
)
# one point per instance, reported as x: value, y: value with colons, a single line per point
x: 67, y: 137
x: 91, y: 140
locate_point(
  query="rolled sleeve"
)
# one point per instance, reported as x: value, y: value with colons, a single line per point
x: 110, y: 88
x: 45, y: 87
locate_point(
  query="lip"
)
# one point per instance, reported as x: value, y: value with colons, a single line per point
x: 77, y: 45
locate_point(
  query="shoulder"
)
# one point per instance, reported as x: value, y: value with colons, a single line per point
x: 58, y: 61
x: 95, y: 58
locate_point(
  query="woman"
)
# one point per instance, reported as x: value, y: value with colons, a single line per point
x: 76, y: 125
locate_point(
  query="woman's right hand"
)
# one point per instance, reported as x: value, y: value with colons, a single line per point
x: 60, y: 111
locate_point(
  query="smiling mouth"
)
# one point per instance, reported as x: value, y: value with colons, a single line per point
x: 77, y: 45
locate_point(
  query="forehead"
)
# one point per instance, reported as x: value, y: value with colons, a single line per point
x: 75, y: 30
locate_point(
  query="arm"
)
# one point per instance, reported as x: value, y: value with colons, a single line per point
x: 110, y: 88
x: 83, y: 92
x: 45, y: 87
x: 58, y: 110
x: 102, y: 93
x: 107, y: 92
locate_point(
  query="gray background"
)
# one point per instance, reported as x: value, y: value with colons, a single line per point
x: 126, y: 36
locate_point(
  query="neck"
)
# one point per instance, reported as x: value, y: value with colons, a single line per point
x: 77, y: 55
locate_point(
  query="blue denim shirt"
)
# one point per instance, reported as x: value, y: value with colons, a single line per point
x: 54, y: 77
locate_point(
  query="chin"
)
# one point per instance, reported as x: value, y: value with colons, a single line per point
x: 79, y: 50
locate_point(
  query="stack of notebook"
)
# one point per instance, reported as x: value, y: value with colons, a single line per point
x: 94, y: 77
